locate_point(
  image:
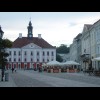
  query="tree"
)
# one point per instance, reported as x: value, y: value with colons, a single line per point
x: 58, y: 58
x: 4, y: 43
x: 7, y: 43
x: 63, y: 49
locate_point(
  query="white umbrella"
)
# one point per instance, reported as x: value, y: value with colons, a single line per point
x: 53, y: 63
x: 44, y: 64
x: 71, y: 63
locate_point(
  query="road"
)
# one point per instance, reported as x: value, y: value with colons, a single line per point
x: 30, y: 78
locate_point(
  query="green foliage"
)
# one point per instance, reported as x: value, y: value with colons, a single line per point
x: 7, y: 43
x: 63, y: 49
x: 58, y: 58
x: 3, y: 45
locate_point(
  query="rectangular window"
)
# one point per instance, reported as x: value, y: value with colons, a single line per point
x: 9, y: 59
x: 98, y: 50
x: 25, y: 53
x: 31, y: 59
x: 48, y: 53
x: 14, y: 52
x: 25, y: 59
x: 37, y: 60
x: 47, y: 60
x: 19, y: 53
x: 19, y: 59
x: 15, y: 59
x: 52, y: 53
x: 43, y: 60
x: 31, y: 53
x: 37, y: 53
x: 43, y: 53
x: 9, y: 52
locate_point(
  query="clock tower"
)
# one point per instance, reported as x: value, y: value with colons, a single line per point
x: 30, y: 28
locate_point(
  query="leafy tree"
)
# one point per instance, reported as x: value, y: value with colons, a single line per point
x: 63, y: 49
x: 5, y: 43
x: 58, y: 58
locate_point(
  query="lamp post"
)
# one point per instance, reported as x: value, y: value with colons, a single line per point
x: 1, y: 51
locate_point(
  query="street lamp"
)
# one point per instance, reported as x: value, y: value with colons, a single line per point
x: 1, y: 50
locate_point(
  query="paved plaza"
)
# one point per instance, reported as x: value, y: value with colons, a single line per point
x: 30, y: 78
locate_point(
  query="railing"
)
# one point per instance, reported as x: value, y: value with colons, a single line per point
x: 85, y: 57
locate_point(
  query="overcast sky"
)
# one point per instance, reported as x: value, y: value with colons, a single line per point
x: 55, y: 27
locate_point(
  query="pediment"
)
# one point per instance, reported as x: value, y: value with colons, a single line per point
x: 32, y: 46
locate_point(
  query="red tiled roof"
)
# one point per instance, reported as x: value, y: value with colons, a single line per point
x: 20, y: 42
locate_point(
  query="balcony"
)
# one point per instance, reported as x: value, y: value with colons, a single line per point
x: 85, y: 57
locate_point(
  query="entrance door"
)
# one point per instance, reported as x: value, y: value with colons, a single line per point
x: 25, y: 66
x: 14, y: 65
x: 19, y: 66
x: 37, y: 66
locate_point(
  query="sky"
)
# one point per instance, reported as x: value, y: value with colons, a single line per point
x: 55, y: 27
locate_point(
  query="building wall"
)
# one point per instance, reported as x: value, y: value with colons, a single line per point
x: 28, y: 56
x: 86, y: 48
x: 93, y: 42
x: 73, y: 51
x: 79, y: 48
x: 97, y: 31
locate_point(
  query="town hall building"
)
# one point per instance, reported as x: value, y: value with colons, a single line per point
x: 30, y: 52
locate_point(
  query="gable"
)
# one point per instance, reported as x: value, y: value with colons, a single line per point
x: 86, y: 27
x: 32, y: 46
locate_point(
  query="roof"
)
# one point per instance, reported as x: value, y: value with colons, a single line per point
x: 88, y: 26
x: 20, y: 42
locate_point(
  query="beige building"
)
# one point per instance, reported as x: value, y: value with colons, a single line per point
x: 86, y: 54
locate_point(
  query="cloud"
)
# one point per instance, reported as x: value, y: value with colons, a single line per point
x: 56, y: 28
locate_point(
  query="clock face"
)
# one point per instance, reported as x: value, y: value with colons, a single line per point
x: 32, y: 46
x: 30, y: 31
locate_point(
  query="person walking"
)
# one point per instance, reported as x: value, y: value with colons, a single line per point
x: 15, y: 69
x: 12, y: 69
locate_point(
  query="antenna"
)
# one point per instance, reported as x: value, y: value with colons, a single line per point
x: 30, y: 16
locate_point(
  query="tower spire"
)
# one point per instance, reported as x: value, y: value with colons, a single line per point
x: 30, y: 28
x: 30, y: 19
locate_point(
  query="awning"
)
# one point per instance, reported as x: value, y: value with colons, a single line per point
x: 96, y: 59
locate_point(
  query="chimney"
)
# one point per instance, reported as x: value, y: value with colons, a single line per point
x: 20, y: 35
x: 39, y: 36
